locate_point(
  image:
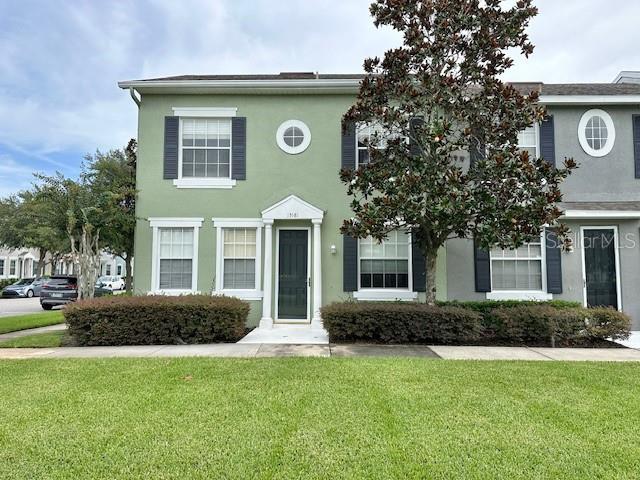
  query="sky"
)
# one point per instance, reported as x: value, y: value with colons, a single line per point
x: 60, y: 60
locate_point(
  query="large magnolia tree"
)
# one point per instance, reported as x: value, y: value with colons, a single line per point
x: 437, y: 95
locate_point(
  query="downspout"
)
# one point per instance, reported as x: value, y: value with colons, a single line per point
x: 132, y: 92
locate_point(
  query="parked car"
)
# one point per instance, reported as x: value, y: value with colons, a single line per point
x: 26, y: 287
x: 111, y: 282
x: 63, y: 289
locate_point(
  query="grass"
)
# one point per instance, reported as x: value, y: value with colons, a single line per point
x: 318, y: 418
x: 22, y: 322
x: 39, y: 340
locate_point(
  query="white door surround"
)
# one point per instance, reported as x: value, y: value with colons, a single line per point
x: 292, y: 208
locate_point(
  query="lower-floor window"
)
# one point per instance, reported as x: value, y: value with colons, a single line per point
x: 239, y: 253
x: 176, y: 258
x: 519, y: 269
x: 386, y: 264
x: 1, y: 266
x: 12, y: 267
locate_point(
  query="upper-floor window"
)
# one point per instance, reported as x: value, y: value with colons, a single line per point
x: 205, y: 147
x: 528, y: 141
x: 293, y: 137
x: 367, y: 135
x: 596, y: 133
x: 386, y: 264
x: 519, y: 269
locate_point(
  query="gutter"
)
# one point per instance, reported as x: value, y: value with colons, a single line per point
x: 134, y: 96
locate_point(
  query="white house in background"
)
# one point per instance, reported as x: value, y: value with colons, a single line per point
x: 112, y: 265
x: 18, y: 263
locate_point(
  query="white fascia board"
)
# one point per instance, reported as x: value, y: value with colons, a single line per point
x: 301, y: 83
x: 589, y: 99
x: 603, y: 214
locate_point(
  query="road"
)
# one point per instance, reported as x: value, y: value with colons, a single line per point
x: 19, y: 306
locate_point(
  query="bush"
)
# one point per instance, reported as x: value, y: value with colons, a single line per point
x: 394, y: 322
x: 6, y: 282
x: 605, y: 323
x: 156, y: 320
x: 535, y: 324
x: 484, y: 307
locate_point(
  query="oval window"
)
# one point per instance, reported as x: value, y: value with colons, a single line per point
x: 596, y: 133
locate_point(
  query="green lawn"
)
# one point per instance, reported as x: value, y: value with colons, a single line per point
x: 33, y: 320
x: 318, y: 418
x: 39, y: 340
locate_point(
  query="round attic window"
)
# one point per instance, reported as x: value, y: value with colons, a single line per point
x: 596, y: 133
x: 293, y: 136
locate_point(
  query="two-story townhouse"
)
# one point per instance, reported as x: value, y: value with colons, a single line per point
x: 239, y: 194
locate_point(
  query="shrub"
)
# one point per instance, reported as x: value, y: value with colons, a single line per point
x: 153, y: 320
x: 395, y: 322
x: 6, y: 282
x: 484, y: 307
x: 605, y: 323
x: 535, y: 324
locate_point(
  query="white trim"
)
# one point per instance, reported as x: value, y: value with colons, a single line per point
x: 589, y: 99
x: 384, y: 294
x: 175, y: 222
x: 388, y: 293
x: 277, y: 286
x: 197, y: 182
x: 236, y: 222
x: 306, y: 141
x: 157, y: 223
x: 246, y: 294
x: 518, y: 295
x: 218, y: 112
x: 292, y: 208
x: 611, y: 132
x: 616, y: 249
x: 313, y: 85
x: 603, y: 214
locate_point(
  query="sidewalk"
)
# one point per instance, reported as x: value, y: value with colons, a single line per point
x: 255, y: 350
x: 32, y: 331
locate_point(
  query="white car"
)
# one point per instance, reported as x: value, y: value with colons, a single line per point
x: 111, y: 282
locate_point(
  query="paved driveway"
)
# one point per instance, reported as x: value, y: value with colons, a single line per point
x: 19, y: 306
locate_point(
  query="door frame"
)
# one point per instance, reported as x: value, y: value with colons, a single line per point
x: 616, y: 260
x: 277, y: 279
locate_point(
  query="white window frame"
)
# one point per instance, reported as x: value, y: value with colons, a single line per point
x: 203, y: 113
x: 539, y: 295
x: 220, y: 224
x: 165, y: 222
x: 13, y: 261
x: 582, y: 133
x: 306, y: 141
x: 536, y: 129
x: 388, y: 294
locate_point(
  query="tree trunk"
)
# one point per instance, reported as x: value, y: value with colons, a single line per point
x: 430, y: 270
x: 42, y: 254
x: 127, y: 272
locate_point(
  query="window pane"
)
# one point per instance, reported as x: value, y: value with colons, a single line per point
x: 239, y: 258
x: 175, y: 274
x: 239, y: 273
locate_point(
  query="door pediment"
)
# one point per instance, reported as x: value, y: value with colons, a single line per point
x: 292, y: 208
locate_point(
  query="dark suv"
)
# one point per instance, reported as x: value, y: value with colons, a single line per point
x: 63, y: 289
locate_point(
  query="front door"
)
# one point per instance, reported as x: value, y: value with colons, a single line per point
x: 293, y: 275
x: 600, y: 267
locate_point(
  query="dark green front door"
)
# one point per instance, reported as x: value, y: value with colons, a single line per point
x: 292, y: 274
x: 600, y: 267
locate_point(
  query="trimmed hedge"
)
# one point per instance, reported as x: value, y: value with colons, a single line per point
x: 156, y: 320
x: 400, y: 323
x: 511, y: 323
x: 484, y: 307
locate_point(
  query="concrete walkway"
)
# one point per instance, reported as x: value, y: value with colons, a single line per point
x: 255, y: 350
x: 33, y: 331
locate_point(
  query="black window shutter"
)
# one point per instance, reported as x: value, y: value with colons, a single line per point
x: 349, y: 263
x: 548, y: 140
x: 636, y: 144
x: 171, y: 129
x: 553, y: 253
x: 414, y: 123
x: 349, y: 147
x: 482, y: 261
x: 239, y: 148
x: 418, y: 269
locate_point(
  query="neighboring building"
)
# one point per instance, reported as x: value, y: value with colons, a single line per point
x: 18, y: 263
x: 239, y: 194
x: 112, y: 265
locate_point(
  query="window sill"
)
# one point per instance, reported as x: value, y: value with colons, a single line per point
x: 385, y: 295
x: 517, y: 295
x: 242, y: 294
x: 171, y: 293
x: 204, y: 183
